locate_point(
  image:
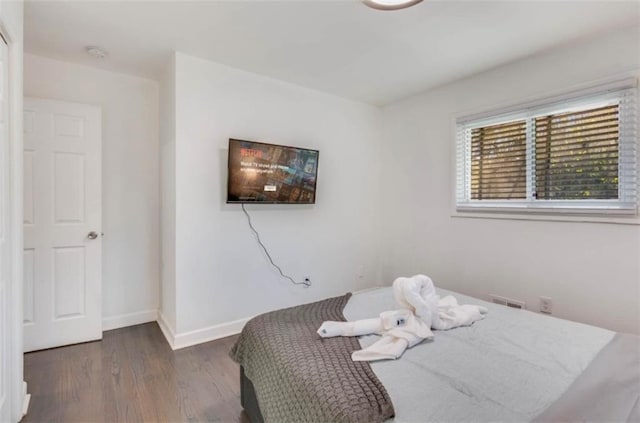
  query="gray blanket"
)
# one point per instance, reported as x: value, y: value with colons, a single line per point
x: 300, y: 377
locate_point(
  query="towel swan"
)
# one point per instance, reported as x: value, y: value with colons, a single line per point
x: 421, y: 310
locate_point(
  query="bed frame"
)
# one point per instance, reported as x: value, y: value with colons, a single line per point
x: 248, y: 398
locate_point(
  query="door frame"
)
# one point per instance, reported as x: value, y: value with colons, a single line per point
x: 17, y: 388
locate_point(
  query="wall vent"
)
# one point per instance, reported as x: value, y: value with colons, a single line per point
x: 509, y: 302
x: 498, y: 300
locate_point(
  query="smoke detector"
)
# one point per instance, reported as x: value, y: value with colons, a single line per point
x: 96, y: 52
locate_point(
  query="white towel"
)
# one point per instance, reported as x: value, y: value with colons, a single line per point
x: 395, y: 341
x: 421, y: 310
x: 330, y: 328
x: 418, y: 294
x: 395, y: 318
x: 452, y: 315
x: 387, y: 348
x: 387, y: 320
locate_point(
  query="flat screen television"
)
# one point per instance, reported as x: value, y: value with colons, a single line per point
x: 270, y: 173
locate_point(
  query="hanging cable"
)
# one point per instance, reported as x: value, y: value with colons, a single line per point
x: 306, y: 282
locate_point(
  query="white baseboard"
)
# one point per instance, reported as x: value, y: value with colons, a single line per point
x: 199, y: 336
x: 167, y: 330
x: 26, y: 399
x: 130, y: 319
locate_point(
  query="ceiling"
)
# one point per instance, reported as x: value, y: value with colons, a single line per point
x: 340, y: 47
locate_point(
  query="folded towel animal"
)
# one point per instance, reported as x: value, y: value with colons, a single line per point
x: 418, y: 294
x: 422, y: 310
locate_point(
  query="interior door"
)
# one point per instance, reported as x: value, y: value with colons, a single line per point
x: 62, y: 223
x: 5, y: 250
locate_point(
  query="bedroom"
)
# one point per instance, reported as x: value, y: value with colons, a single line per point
x: 380, y: 103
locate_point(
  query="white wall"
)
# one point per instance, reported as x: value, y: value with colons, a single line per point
x: 221, y: 273
x: 130, y: 178
x: 167, y: 315
x: 590, y: 270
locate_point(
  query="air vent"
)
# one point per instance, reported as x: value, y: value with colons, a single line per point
x: 514, y: 304
x: 509, y: 302
x: 498, y: 300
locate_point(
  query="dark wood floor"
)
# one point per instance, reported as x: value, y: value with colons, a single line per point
x: 133, y: 375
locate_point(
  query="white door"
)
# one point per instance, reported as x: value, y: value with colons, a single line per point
x: 5, y: 250
x: 62, y: 224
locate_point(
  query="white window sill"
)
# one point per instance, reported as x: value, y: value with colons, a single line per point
x: 583, y: 215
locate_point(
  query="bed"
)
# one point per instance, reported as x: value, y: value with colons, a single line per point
x: 515, y: 365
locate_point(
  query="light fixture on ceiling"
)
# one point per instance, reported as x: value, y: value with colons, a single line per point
x: 390, y: 4
x: 96, y: 52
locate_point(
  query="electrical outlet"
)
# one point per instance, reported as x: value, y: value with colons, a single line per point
x: 546, y: 305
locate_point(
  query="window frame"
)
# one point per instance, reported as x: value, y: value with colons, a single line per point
x: 623, y: 92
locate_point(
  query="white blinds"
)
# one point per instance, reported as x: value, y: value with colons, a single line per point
x: 579, y: 153
x: 499, y: 161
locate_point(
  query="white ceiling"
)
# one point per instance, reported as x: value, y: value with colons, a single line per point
x: 340, y: 47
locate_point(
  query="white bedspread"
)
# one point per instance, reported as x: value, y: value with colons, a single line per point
x: 508, y: 367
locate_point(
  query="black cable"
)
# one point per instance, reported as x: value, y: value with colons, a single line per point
x: 306, y: 283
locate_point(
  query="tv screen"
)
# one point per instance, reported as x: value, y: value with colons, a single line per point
x: 269, y: 173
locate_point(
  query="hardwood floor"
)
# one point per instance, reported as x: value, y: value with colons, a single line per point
x: 132, y: 375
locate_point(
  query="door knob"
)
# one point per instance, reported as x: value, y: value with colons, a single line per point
x: 92, y: 235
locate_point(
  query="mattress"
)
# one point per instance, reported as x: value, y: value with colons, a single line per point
x: 515, y: 365
x: 509, y: 367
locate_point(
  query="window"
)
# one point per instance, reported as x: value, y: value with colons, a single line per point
x: 499, y: 161
x: 576, y: 155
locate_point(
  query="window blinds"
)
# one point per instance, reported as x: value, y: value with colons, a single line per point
x: 499, y: 161
x: 577, y: 153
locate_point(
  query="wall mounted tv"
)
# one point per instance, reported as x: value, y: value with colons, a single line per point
x: 270, y: 173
